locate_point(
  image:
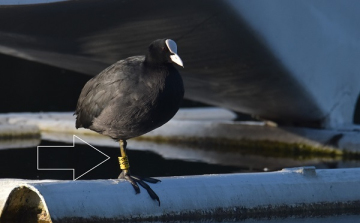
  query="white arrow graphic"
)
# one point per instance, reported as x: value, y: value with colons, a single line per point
x: 72, y: 169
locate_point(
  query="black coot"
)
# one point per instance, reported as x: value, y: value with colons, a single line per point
x: 132, y: 97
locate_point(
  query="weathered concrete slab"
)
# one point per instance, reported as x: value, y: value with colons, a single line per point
x: 10, y: 131
x: 211, y: 126
x: 209, y: 130
x: 254, y: 159
x: 19, y: 135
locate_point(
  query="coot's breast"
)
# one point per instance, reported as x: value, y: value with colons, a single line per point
x: 169, y: 98
x: 147, y: 101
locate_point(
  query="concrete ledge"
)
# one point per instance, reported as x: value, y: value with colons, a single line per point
x: 19, y: 135
x: 283, y: 193
x: 258, y: 159
x: 10, y: 131
x: 212, y: 130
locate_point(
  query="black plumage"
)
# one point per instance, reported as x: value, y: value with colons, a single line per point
x: 134, y: 95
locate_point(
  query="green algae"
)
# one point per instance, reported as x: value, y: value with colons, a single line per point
x: 18, y: 132
x: 266, y: 148
x: 24, y: 135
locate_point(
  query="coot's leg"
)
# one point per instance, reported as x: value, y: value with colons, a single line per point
x: 134, y: 180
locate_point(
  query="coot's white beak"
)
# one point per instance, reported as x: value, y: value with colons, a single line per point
x: 173, y: 49
x: 176, y: 59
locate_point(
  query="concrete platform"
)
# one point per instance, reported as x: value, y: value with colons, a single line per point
x: 300, y: 191
x: 211, y: 126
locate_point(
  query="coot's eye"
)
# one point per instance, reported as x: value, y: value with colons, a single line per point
x: 163, y: 48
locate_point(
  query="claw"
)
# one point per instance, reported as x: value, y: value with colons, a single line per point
x: 147, y: 179
x: 135, y: 180
x: 150, y: 191
x: 133, y: 183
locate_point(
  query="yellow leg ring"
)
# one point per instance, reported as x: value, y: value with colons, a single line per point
x: 124, y: 163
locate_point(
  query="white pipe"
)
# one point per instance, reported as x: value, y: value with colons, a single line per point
x: 241, y: 195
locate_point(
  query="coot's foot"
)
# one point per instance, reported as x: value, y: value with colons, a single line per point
x: 135, y: 180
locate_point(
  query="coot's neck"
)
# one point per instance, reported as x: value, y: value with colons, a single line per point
x: 152, y: 61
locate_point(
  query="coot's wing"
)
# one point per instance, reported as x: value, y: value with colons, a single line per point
x: 97, y: 93
x: 87, y: 109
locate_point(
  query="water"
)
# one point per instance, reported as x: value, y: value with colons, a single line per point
x: 158, y: 160
x: 147, y: 159
x: 22, y: 163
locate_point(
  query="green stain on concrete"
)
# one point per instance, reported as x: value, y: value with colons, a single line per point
x: 266, y: 148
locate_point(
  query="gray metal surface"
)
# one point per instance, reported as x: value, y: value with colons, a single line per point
x: 294, y: 63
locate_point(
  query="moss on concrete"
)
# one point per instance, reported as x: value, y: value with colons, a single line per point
x: 267, y: 148
x: 11, y: 136
x: 8, y: 132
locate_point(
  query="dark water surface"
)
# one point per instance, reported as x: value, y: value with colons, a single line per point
x: 22, y: 163
x: 179, y: 161
x: 173, y: 161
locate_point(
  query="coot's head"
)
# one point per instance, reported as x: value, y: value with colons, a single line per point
x: 163, y: 51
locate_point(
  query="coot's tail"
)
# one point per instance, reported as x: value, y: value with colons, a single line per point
x: 80, y: 122
x: 77, y: 123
